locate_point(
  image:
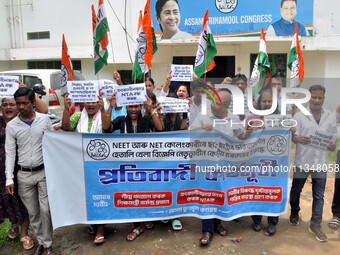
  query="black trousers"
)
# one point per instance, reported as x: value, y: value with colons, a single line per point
x: 336, y: 196
x: 271, y: 219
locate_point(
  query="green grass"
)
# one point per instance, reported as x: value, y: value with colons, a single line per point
x: 8, y: 246
x: 332, y: 155
x: 3, y: 233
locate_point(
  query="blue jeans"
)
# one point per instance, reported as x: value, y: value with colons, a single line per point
x: 318, y: 189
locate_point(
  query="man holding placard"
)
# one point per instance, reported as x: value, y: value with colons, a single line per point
x: 310, y: 160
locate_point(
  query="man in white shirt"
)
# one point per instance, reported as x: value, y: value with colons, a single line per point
x: 24, y: 135
x: 309, y: 160
x: 206, y: 122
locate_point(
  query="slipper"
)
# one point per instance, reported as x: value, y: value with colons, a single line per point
x: 205, y: 238
x: 13, y: 232
x: 165, y: 221
x: 176, y: 225
x: 221, y: 230
x: 27, y: 242
x: 334, y: 223
x: 134, y: 234
x: 99, y: 240
x: 149, y: 225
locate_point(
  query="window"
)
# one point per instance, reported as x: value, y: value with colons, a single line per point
x: 38, y: 35
x: 225, y: 67
x: 51, y: 64
x: 278, y: 63
x: 30, y: 81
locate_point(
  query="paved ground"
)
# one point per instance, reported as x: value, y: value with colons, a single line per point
x: 163, y: 241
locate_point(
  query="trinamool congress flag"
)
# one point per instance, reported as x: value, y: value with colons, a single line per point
x: 151, y: 45
x: 66, y: 67
x: 295, y: 61
x: 139, y: 67
x: 100, y: 29
x: 146, y: 44
x: 261, y: 69
x: 206, y: 51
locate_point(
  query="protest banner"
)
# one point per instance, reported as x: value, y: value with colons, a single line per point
x: 173, y: 105
x: 152, y: 176
x: 132, y: 94
x: 8, y: 85
x: 181, y: 72
x: 82, y: 91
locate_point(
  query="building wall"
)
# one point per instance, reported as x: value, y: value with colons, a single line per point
x: 73, y: 18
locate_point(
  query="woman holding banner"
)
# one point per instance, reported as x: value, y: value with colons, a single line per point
x: 133, y: 122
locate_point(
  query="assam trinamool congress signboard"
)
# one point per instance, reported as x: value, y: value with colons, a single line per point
x: 182, y: 19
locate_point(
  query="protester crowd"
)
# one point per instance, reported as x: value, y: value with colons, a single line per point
x: 23, y: 190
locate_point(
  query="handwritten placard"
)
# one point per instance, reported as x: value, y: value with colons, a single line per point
x: 107, y: 88
x: 320, y: 139
x: 181, y: 72
x: 8, y: 85
x: 82, y: 91
x: 132, y: 94
x: 173, y: 105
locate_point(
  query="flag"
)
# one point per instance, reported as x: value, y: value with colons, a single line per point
x: 66, y: 67
x: 206, y: 51
x: 151, y: 45
x: 295, y: 61
x: 100, y: 36
x: 146, y: 44
x: 138, y: 67
x: 261, y: 70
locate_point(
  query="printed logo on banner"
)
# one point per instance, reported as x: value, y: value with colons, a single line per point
x: 226, y: 6
x: 98, y: 149
x: 277, y: 145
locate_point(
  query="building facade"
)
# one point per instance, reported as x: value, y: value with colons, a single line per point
x: 32, y: 31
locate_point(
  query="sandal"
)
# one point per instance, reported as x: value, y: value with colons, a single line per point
x: 149, y: 225
x: 334, y: 223
x: 205, y: 238
x: 13, y: 232
x: 221, y: 230
x: 176, y: 225
x: 27, y: 242
x: 99, y: 240
x: 134, y: 234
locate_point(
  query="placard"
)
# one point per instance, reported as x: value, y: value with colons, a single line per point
x: 8, y: 85
x: 181, y: 72
x: 82, y: 91
x: 107, y: 88
x: 132, y: 94
x: 173, y: 105
x: 320, y: 139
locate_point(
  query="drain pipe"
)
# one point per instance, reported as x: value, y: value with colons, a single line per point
x: 13, y: 25
x: 22, y: 35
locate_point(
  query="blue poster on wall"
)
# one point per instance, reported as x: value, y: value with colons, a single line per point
x: 182, y: 19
